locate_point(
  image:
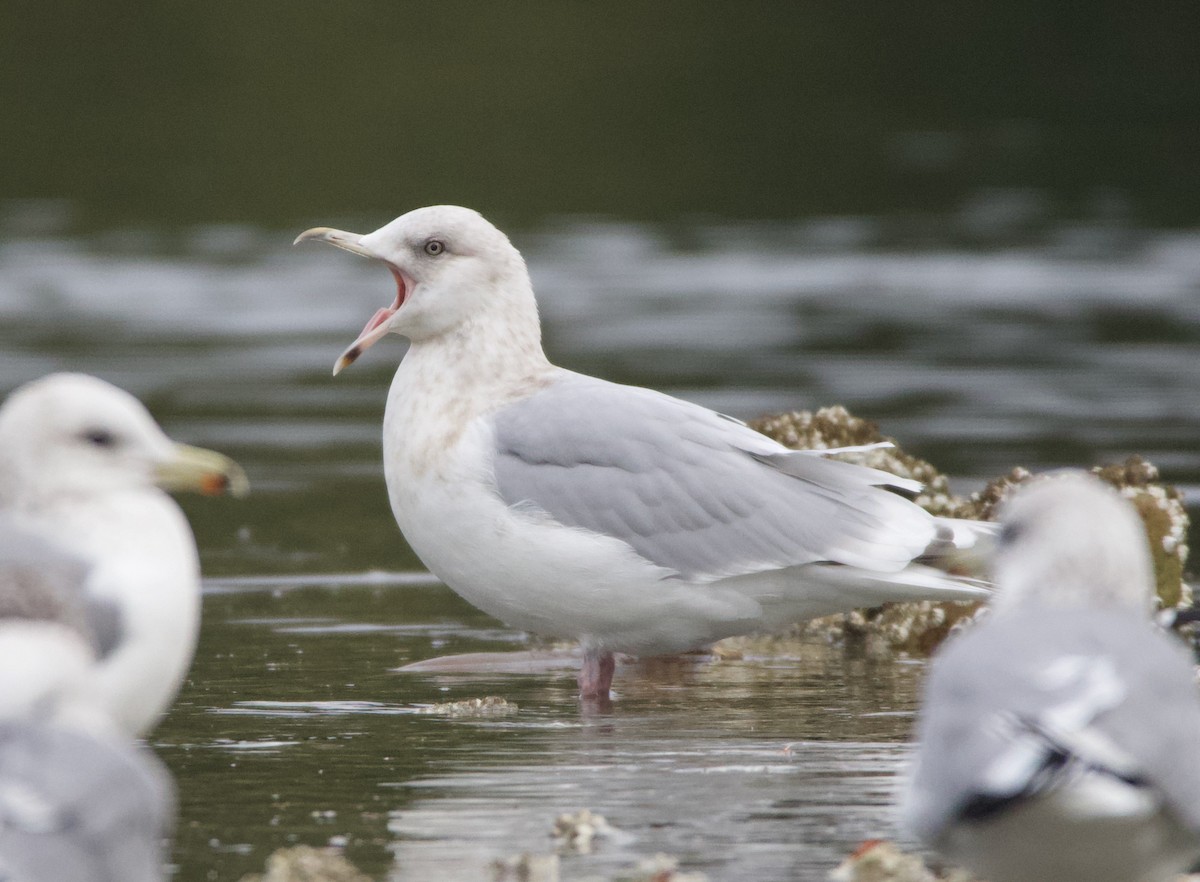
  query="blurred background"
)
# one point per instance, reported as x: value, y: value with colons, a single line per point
x: 978, y: 226
x: 272, y: 113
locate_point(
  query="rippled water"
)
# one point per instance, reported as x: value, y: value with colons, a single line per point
x: 1076, y: 346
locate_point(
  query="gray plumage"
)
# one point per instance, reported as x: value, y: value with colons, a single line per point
x: 41, y: 581
x: 700, y: 495
x: 79, y: 807
x: 1020, y: 704
x: 1059, y: 739
x: 78, y: 802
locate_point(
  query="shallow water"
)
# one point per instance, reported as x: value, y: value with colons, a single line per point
x: 1078, y: 346
x: 296, y: 730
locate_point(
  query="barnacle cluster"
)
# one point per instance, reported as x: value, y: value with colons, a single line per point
x: 918, y: 627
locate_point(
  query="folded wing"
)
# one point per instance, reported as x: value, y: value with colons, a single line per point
x: 693, y: 492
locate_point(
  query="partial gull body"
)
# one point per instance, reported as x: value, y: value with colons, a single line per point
x: 83, y: 465
x: 624, y: 518
x: 51, y: 632
x: 81, y: 806
x: 79, y: 801
x: 1060, y: 738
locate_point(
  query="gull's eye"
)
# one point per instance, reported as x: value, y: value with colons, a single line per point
x: 99, y: 437
x: 1010, y: 532
x: 434, y: 247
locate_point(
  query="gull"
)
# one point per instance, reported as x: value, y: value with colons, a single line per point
x: 1059, y: 739
x: 84, y: 465
x: 79, y: 802
x: 51, y: 631
x: 618, y: 516
x: 80, y: 806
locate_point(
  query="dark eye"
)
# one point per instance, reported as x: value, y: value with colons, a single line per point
x: 434, y: 247
x: 99, y: 437
x: 1010, y: 533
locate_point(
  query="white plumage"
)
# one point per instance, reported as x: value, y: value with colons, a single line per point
x: 83, y: 466
x: 624, y: 518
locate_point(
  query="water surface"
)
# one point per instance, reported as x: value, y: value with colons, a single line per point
x: 1077, y: 346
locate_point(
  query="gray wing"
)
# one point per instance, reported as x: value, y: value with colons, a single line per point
x: 696, y: 493
x: 40, y: 580
x: 77, y: 808
x: 1021, y: 702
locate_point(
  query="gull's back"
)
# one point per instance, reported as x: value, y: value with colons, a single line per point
x: 1059, y: 739
x: 1060, y: 745
x: 695, y: 493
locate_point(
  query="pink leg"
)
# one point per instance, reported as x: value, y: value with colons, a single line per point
x: 596, y: 675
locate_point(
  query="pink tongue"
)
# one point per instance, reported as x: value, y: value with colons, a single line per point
x: 381, y: 316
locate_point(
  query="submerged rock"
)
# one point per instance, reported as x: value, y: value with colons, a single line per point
x: 303, y: 863
x: 526, y: 868
x: 878, y: 860
x: 489, y: 706
x: 919, y: 627
x: 661, y: 868
x: 575, y: 832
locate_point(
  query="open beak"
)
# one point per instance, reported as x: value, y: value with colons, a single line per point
x: 377, y: 327
x: 201, y: 471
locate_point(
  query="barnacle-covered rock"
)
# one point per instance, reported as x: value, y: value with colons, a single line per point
x: 489, y: 706
x: 1159, y: 505
x: 526, y: 868
x: 834, y: 426
x: 916, y: 627
x: 878, y: 860
x: 575, y: 832
x: 662, y: 868
x: 1161, y: 508
x: 303, y: 863
x: 919, y: 627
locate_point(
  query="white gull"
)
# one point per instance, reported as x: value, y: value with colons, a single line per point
x: 83, y: 464
x: 79, y: 800
x: 1060, y: 738
x: 631, y: 521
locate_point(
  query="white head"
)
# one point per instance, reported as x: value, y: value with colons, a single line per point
x: 76, y: 435
x: 451, y: 268
x: 1069, y: 539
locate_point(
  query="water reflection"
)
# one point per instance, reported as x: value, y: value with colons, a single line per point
x: 759, y: 768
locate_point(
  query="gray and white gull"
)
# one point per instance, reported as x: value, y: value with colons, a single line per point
x: 627, y: 519
x: 80, y: 801
x: 84, y: 466
x: 1059, y: 739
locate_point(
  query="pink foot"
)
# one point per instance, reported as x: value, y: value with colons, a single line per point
x: 596, y: 675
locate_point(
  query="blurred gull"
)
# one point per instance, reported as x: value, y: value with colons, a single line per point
x: 79, y: 802
x: 51, y: 631
x: 626, y: 519
x: 78, y: 806
x: 83, y: 464
x: 1060, y: 738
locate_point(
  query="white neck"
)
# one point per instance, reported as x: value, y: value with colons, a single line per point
x: 446, y: 383
x: 488, y: 359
